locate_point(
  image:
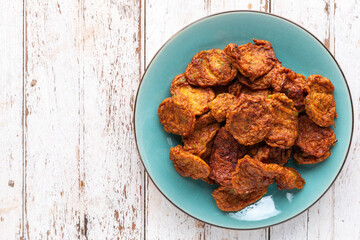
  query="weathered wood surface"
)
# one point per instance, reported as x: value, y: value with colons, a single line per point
x: 51, y: 120
x: 68, y: 164
x: 113, y: 174
x: 11, y: 139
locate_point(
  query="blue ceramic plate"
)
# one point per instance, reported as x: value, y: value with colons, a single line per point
x: 297, y: 49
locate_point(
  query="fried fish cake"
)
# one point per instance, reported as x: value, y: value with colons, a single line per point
x: 187, y: 164
x: 320, y: 84
x: 262, y: 93
x: 252, y: 150
x: 250, y: 175
x: 235, y: 88
x: 286, y: 177
x: 227, y: 200
x: 219, y: 89
x: 284, y: 131
x: 321, y: 108
x: 198, y: 98
x: 198, y: 141
x: 249, y: 119
x: 267, y: 154
x: 176, y: 116
x: 224, y: 156
x: 312, y: 139
x: 252, y: 60
x: 210, y: 68
x: 278, y: 75
x: 220, y: 105
x: 263, y: 82
x: 294, y: 88
x: 204, y: 120
x: 303, y: 158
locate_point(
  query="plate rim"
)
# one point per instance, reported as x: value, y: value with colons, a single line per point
x: 261, y: 13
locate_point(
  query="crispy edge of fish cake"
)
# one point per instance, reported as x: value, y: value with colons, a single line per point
x: 176, y: 116
x: 252, y: 60
x: 209, y: 68
x: 199, y: 98
x: 220, y: 105
x: 313, y: 139
x: 250, y: 175
x: 321, y: 108
x: 228, y: 201
x: 284, y: 130
x: 302, y: 158
x: 188, y: 164
x: 249, y: 119
x: 320, y: 84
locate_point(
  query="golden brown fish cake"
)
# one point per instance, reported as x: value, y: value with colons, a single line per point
x: 285, y: 128
x: 210, y: 68
x: 321, y: 108
x: 235, y: 88
x: 279, y: 75
x: 320, y: 84
x: 204, y: 120
x: 249, y: 119
x: 197, y: 142
x: 252, y: 150
x: 312, y: 139
x: 227, y: 200
x: 303, y: 158
x: 294, y: 88
x: 250, y: 175
x: 267, y: 154
x: 220, y: 105
x: 176, y: 116
x: 262, y: 93
x: 178, y: 82
x: 209, y: 181
x: 201, y: 122
x: 198, y: 98
x: 224, y: 156
x: 252, y: 60
x: 206, y: 154
x: 286, y: 177
x: 219, y: 89
x: 187, y: 164
x: 260, y: 83
x: 221, y: 171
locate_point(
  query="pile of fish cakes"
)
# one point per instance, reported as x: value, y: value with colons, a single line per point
x: 241, y: 116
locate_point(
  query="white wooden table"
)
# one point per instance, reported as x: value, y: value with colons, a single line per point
x: 69, y: 71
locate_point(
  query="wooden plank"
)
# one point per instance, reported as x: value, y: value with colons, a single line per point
x: 163, y: 220
x: 11, y: 102
x: 113, y: 174
x: 347, y: 52
x: 52, y: 120
x: 316, y: 17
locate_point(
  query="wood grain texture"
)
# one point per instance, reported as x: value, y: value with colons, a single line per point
x: 11, y: 102
x: 315, y: 17
x: 347, y: 52
x: 52, y: 120
x: 163, y: 19
x: 113, y: 175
